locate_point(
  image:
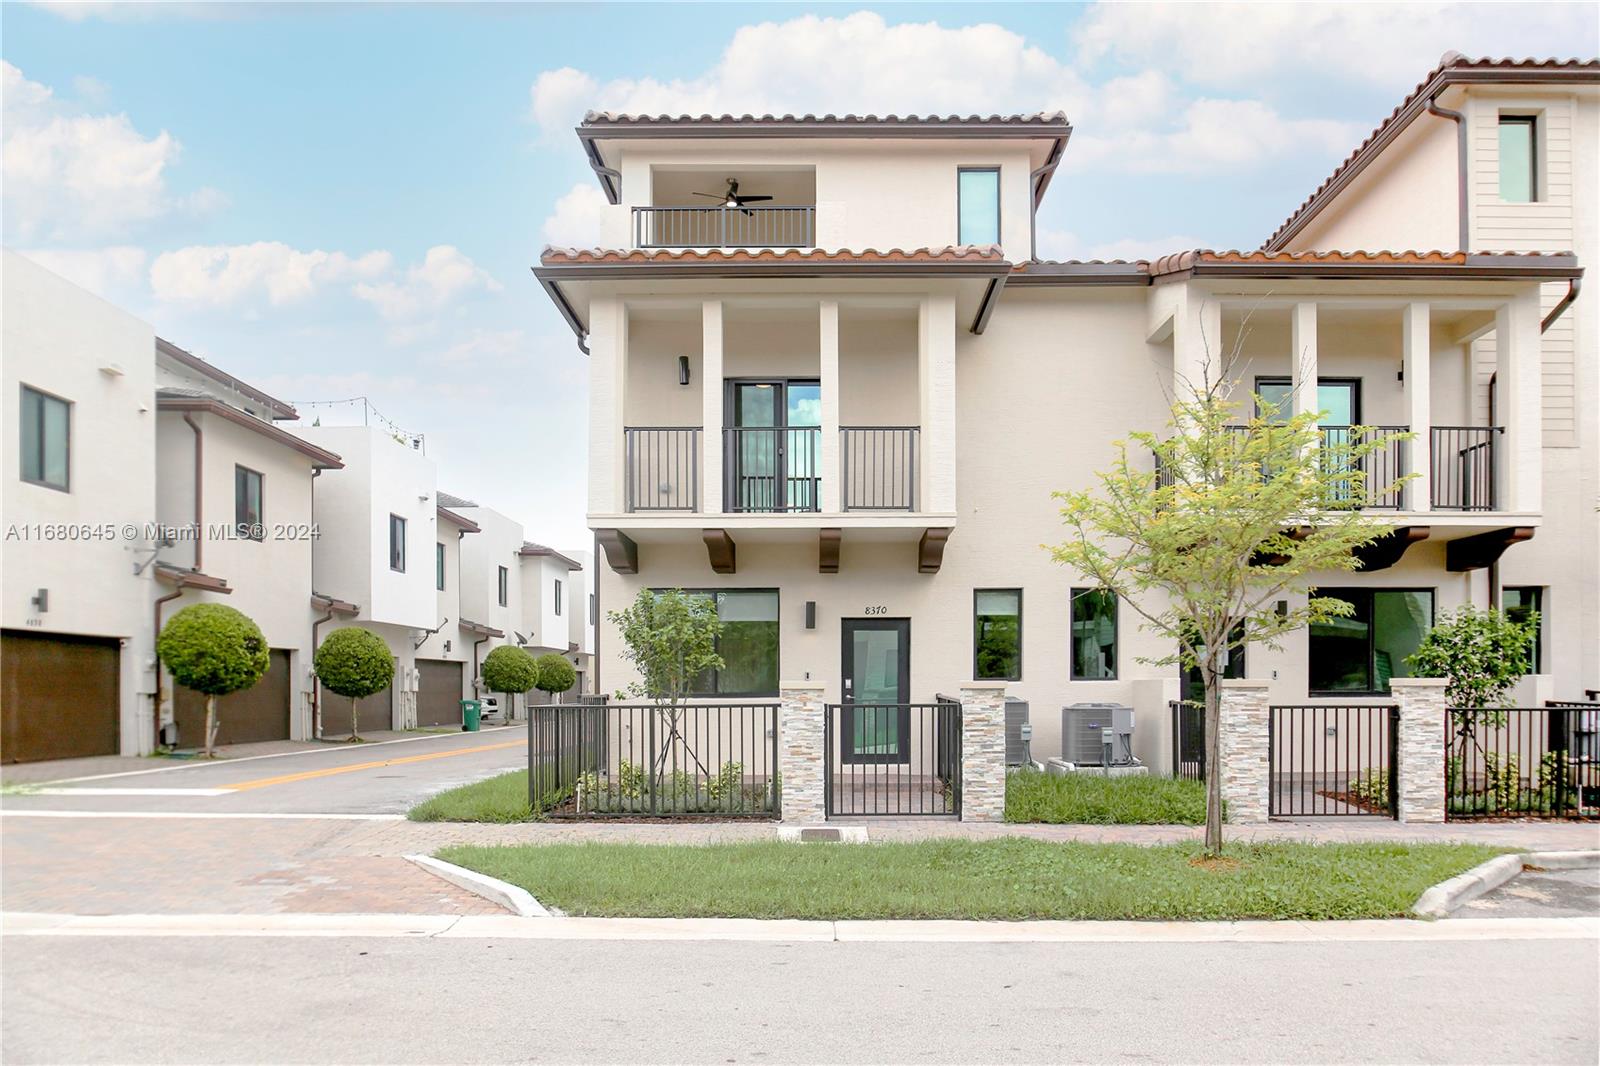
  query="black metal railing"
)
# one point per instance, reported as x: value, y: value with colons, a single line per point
x: 772, y: 469
x: 662, y: 468
x: 1188, y: 740
x: 653, y: 760
x: 892, y: 759
x: 1463, y: 467
x: 880, y: 467
x: 1380, y: 469
x: 725, y: 227
x: 1332, y: 759
x: 1523, y: 762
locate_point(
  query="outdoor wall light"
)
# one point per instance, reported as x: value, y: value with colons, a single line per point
x: 683, y: 370
x: 41, y: 601
x: 811, y: 614
x: 1283, y: 608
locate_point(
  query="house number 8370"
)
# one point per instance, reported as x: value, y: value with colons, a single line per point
x: 877, y: 610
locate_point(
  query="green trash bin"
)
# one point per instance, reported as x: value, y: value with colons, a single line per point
x: 470, y: 710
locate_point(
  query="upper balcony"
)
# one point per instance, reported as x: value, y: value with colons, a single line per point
x: 710, y: 207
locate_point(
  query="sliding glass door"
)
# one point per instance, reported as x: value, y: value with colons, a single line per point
x: 773, y: 451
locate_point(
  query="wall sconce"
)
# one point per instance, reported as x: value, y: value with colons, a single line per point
x: 683, y: 370
x: 41, y: 601
x: 1283, y: 608
x: 811, y: 614
x: 447, y: 647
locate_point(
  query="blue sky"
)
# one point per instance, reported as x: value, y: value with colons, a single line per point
x: 343, y: 200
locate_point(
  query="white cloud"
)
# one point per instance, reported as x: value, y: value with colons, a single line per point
x: 106, y: 272
x: 244, y: 274
x: 443, y: 275
x: 578, y: 220
x: 1062, y: 244
x: 487, y: 347
x: 1212, y: 135
x: 73, y: 176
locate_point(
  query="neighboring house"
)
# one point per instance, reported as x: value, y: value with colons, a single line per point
x: 581, y: 619
x: 444, y: 655
x: 491, y: 588
x: 841, y: 412
x: 235, y: 493
x: 551, y: 582
x: 80, y: 475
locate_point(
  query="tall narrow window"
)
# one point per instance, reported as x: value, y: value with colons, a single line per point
x: 1520, y: 603
x: 46, y: 439
x: 397, y: 543
x: 1519, y: 159
x: 438, y: 567
x: 1361, y: 652
x: 504, y: 587
x: 1094, y: 635
x: 978, y: 205
x: 997, y: 634
x: 558, y: 596
x: 247, y: 503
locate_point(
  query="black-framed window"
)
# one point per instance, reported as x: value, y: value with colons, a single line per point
x: 748, y: 644
x: 1339, y: 399
x: 977, y: 205
x: 503, y: 586
x: 46, y: 423
x: 1519, y: 159
x: 1094, y: 635
x: 558, y: 596
x: 1519, y: 602
x: 997, y: 634
x: 438, y: 566
x: 248, y: 502
x: 397, y: 543
x: 1360, y: 653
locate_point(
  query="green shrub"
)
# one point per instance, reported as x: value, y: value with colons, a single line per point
x: 1372, y: 788
x: 215, y: 650
x: 1082, y: 798
x: 555, y: 673
x: 509, y: 669
x: 354, y: 662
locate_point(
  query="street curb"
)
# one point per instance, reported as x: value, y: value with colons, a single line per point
x: 1446, y: 897
x: 516, y: 900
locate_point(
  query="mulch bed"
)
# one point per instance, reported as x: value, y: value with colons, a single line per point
x: 1353, y: 800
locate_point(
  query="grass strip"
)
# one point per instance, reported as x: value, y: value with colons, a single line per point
x: 1065, y: 799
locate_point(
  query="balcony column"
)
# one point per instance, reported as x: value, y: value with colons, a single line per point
x: 1197, y: 353
x: 608, y: 355
x: 832, y: 474
x: 1417, y: 351
x: 711, y: 389
x: 936, y: 378
x: 1518, y: 373
x: 1303, y: 359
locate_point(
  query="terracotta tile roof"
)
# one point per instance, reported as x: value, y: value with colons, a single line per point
x: 279, y: 408
x: 1505, y: 264
x: 173, y: 400
x: 446, y: 499
x: 951, y: 253
x: 530, y: 548
x: 1453, y: 67
x: 618, y: 118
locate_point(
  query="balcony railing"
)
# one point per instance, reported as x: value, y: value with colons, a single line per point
x: 880, y: 467
x: 767, y: 469
x: 1381, y: 467
x: 724, y: 227
x: 1463, y: 467
x: 662, y: 466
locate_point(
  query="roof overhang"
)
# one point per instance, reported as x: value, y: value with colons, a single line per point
x: 479, y: 629
x: 333, y: 604
x: 321, y: 458
x: 280, y: 409
x: 530, y: 551
x: 466, y: 524
x: 185, y: 578
x: 1441, y: 266
x: 1042, y: 272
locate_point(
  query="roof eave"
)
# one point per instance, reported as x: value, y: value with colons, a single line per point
x: 321, y: 458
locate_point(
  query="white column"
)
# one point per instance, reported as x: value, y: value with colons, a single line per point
x: 936, y: 378
x: 1418, y: 367
x: 1303, y: 358
x: 829, y: 365
x: 608, y: 354
x: 711, y: 407
x: 1197, y: 350
x: 1518, y: 371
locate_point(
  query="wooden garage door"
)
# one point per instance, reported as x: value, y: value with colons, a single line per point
x: 61, y: 696
x: 376, y: 711
x: 260, y: 712
x: 439, y: 694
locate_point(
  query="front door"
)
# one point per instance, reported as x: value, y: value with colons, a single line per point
x: 875, y: 721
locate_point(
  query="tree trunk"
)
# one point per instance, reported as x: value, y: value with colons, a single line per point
x: 355, y: 730
x: 211, y: 723
x: 1213, y: 711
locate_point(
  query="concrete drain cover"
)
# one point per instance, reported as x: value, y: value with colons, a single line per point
x: 807, y: 835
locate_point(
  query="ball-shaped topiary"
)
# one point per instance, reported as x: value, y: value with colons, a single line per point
x: 215, y: 650
x: 510, y: 670
x: 354, y: 662
x: 555, y: 673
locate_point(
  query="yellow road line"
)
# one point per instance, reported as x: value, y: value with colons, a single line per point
x: 284, y: 779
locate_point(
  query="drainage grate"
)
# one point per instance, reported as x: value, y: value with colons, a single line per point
x: 821, y: 834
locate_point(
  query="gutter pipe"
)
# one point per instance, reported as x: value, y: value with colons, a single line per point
x: 199, y: 489
x: 155, y: 711
x: 1461, y: 164
x: 1573, y: 287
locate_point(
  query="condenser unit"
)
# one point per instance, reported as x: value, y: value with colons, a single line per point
x: 1097, y: 734
x: 1019, y: 733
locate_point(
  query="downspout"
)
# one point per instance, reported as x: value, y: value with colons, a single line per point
x: 1461, y: 164
x: 1566, y: 301
x: 199, y: 492
x: 594, y: 671
x: 316, y: 689
x: 155, y: 713
x: 477, y: 688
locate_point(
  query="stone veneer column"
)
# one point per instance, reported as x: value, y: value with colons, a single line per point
x: 1242, y: 742
x: 800, y: 743
x: 983, y: 751
x: 1420, y: 761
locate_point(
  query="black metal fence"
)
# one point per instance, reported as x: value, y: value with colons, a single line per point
x: 892, y: 759
x: 1188, y: 740
x: 1463, y: 467
x: 1523, y: 762
x: 772, y: 469
x: 721, y: 227
x: 662, y: 465
x: 654, y: 760
x: 880, y: 467
x: 1332, y: 759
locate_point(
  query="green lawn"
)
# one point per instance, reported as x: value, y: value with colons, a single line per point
x: 1081, y: 798
x: 496, y: 799
x: 994, y: 879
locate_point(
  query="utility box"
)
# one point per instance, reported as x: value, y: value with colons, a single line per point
x: 1019, y: 733
x: 1097, y: 734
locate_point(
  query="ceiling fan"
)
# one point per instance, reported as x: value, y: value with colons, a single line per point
x: 731, y: 198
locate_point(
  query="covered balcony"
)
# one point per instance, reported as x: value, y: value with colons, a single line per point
x: 728, y: 207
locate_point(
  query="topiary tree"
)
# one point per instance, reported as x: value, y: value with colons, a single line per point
x: 354, y: 662
x: 509, y: 670
x: 556, y: 675
x: 215, y: 650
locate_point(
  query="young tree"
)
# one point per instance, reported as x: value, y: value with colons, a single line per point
x: 510, y: 671
x: 215, y: 650
x: 556, y: 675
x: 354, y: 662
x: 1239, y: 514
x: 671, y: 639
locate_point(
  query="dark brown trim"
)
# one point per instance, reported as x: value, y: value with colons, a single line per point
x: 185, y: 578
x: 1387, y: 550
x: 1463, y: 230
x: 320, y: 457
x: 280, y: 409
x: 991, y: 296
x: 466, y: 525
x: 199, y: 488
x: 1483, y: 549
x: 621, y: 552
x: 721, y: 550
x: 333, y: 605
x: 531, y: 549
x: 1045, y: 272
x: 930, y: 549
x: 1476, y: 267
x: 479, y: 629
x: 1573, y: 285
x: 793, y: 267
x: 828, y: 539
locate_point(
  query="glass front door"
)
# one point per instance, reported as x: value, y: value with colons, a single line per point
x: 876, y: 722
x: 774, y: 444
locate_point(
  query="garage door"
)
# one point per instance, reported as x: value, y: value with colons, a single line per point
x: 60, y: 694
x: 260, y: 712
x: 439, y: 695
x: 376, y: 710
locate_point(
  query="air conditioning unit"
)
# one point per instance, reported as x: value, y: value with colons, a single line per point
x: 1019, y: 734
x: 1097, y: 734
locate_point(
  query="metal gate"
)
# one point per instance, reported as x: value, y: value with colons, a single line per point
x: 1332, y: 759
x: 892, y: 759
